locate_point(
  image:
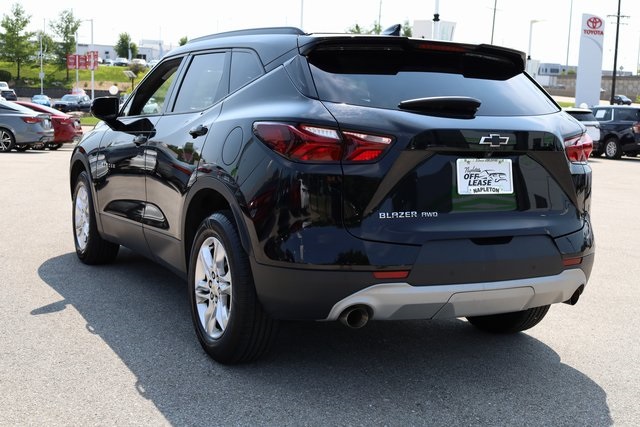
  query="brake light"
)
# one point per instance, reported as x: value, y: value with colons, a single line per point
x: 578, y: 148
x: 308, y: 143
x: 636, y: 127
x: 402, y: 274
x: 31, y: 120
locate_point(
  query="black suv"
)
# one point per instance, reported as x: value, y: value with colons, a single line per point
x: 287, y: 175
x: 619, y: 130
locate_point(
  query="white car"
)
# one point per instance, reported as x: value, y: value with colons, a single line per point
x: 586, y: 117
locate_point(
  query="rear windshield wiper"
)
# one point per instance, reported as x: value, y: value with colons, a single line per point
x: 463, y: 107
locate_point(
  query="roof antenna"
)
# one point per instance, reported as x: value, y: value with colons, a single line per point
x: 393, y: 30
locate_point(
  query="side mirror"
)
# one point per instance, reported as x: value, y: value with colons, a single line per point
x: 106, y: 108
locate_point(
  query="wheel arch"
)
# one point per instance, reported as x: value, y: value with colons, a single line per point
x: 207, y: 196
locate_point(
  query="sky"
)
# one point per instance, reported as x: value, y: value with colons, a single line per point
x: 551, y: 36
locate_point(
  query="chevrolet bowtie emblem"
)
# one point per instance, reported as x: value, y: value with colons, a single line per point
x: 494, y: 140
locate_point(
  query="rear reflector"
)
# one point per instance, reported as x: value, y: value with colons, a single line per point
x: 308, y: 143
x: 578, y: 148
x: 568, y: 262
x: 390, y: 274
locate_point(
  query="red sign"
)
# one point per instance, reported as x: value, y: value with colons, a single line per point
x: 92, y: 59
x: 83, y: 62
x: 72, y: 61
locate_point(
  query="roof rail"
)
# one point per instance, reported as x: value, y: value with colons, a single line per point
x: 252, y: 31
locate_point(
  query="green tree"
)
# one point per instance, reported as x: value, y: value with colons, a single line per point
x: 49, y: 45
x: 407, y: 31
x: 356, y: 29
x: 65, y: 27
x: 183, y: 41
x: 124, y: 44
x: 15, y: 43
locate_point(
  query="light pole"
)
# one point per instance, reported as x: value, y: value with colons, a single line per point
x: 41, y: 55
x: 566, y: 64
x: 92, y: 65
x: 533, y: 21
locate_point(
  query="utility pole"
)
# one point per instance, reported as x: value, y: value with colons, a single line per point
x: 493, y: 25
x: 615, y: 54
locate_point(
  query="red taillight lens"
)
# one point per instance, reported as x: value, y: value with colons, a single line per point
x: 318, y: 144
x: 579, y: 148
x: 636, y: 127
x: 31, y: 120
x: 364, y: 147
x: 305, y: 143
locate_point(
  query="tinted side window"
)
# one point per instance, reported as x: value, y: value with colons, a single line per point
x: 245, y: 67
x: 153, y: 91
x: 201, y: 84
x: 603, y: 114
x: 627, y: 115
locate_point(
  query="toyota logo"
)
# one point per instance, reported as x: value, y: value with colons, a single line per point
x: 594, y: 23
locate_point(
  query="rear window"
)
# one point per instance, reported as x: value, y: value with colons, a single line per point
x: 383, y: 78
x: 583, y: 117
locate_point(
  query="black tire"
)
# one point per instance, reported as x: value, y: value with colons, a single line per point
x: 91, y: 248
x: 612, y: 148
x: 509, y: 323
x: 226, y: 294
x: 7, y: 140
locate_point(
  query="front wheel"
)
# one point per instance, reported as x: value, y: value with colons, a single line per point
x: 508, y: 323
x: 612, y: 149
x: 229, y: 320
x: 91, y: 248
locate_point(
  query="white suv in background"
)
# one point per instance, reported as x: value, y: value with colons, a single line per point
x: 586, y: 117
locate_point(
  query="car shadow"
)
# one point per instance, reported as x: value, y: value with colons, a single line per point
x: 387, y: 373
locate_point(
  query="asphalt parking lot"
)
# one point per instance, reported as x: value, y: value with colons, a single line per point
x: 114, y: 345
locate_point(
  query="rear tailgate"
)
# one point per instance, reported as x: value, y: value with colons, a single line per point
x: 449, y: 173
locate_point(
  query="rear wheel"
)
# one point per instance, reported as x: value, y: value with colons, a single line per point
x: 612, y: 148
x: 230, y: 322
x: 507, y: 323
x: 7, y: 140
x: 91, y: 248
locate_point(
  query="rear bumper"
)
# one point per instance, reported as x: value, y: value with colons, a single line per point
x: 398, y: 301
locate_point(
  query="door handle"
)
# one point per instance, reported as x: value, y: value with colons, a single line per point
x: 198, y: 131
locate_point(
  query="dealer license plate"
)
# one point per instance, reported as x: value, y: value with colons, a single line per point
x: 484, y: 176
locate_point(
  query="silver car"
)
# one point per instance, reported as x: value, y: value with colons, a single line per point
x: 22, y: 128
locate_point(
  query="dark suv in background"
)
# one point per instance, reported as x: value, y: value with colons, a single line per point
x: 324, y: 177
x: 619, y: 130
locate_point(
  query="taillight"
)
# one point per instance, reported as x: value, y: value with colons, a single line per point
x: 308, y: 143
x: 636, y: 127
x: 31, y: 120
x: 578, y: 148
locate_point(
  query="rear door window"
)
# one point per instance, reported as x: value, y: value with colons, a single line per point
x: 629, y: 115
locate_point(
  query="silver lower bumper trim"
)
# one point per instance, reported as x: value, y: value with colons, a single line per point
x: 397, y: 301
